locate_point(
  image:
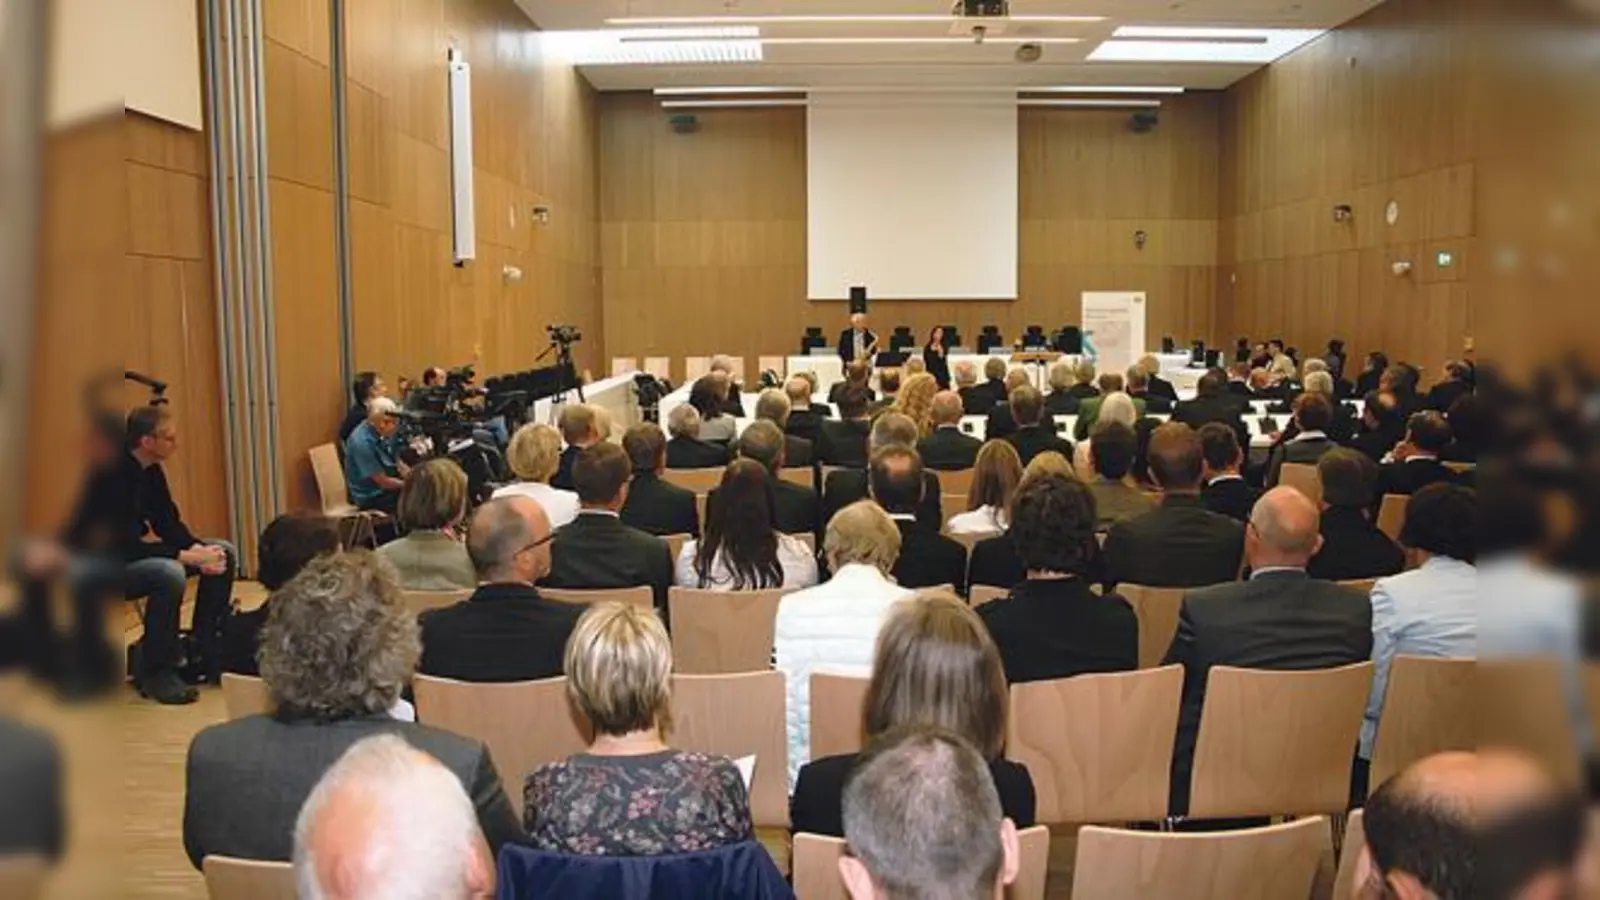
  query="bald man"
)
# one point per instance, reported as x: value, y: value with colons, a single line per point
x: 505, y: 631
x: 946, y: 448
x: 1279, y: 619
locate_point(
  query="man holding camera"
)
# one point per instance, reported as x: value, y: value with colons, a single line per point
x: 372, y: 466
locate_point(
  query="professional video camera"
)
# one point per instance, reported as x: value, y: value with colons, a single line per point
x: 650, y: 390
x: 562, y: 337
x: 449, y: 420
x: 564, y: 334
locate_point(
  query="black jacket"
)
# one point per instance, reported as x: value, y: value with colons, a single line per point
x: 818, y: 802
x: 241, y: 638
x: 1000, y: 423
x: 352, y: 421
x: 1156, y: 403
x: 1061, y: 403
x: 794, y: 507
x: 798, y: 452
x: 1160, y: 387
x: 563, y: 477
x: 928, y: 558
x: 1215, y: 408
x: 660, y: 507
x: 847, y: 344
x: 979, y: 399
x: 1443, y: 394
x: 1177, y: 544
x: 844, y: 443
x: 596, y: 551
x: 995, y: 563
x: 154, y: 512
x: 1057, y: 629
x: 1306, y: 452
x: 846, y: 486
x: 1231, y: 497
x: 938, y: 366
x: 1377, y: 444
x: 693, y: 453
x: 503, y: 632
x: 948, y: 450
x: 838, y: 390
x: 1353, y: 548
x: 1409, y: 476
x: 1036, y: 439
x: 805, y: 423
x: 1278, y: 620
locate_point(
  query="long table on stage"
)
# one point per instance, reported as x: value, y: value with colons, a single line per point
x: 829, y: 368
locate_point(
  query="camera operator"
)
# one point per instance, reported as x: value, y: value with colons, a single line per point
x: 372, y: 468
x: 366, y: 387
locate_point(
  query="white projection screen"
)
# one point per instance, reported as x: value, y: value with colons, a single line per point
x: 913, y: 195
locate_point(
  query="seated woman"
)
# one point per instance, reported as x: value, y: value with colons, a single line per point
x: 742, y: 549
x: 287, y: 544
x: 432, y: 555
x: 994, y: 478
x: 534, y: 456
x: 935, y: 666
x: 630, y: 794
x: 707, y: 397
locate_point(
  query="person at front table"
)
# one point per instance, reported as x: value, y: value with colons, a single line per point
x: 372, y: 468
x: 936, y: 356
x: 857, y: 341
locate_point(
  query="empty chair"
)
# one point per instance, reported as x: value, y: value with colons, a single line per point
x: 356, y: 526
x: 659, y: 367
x: 1157, y: 610
x: 1392, y: 515
x: 638, y: 596
x: 1523, y: 704
x: 717, y: 632
x: 244, y: 695
x: 986, y: 593
x: 957, y: 482
x: 1428, y: 708
x: 738, y: 716
x: 836, y: 704
x: 1302, y: 477
x: 701, y: 481
x: 815, y: 864
x: 1355, y: 841
x: 623, y: 365
x: 525, y: 724
x: 695, y: 366
x: 247, y: 879
x: 420, y: 602
x: 1273, y: 863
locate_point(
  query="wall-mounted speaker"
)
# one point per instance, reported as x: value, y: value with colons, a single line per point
x: 858, y: 300
x: 684, y: 123
x: 464, y: 237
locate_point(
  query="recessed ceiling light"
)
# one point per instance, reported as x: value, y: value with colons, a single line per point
x: 1137, y: 43
x: 728, y: 104
x: 1090, y: 104
x: 840, y: 19
x: 708, y: 91
x: 655, y: 46
x: 802, y: 41
x: 1104, y: 89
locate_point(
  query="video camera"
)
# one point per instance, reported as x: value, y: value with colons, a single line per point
x: 564, y: 334
x: 650, y: 390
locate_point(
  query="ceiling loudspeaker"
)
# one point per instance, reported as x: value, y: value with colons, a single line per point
x: 684, y: 123
x: 1144, y: 121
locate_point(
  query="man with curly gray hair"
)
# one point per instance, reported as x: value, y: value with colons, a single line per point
x: 338, y: 646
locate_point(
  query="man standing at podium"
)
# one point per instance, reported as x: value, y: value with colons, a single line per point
x: 857, y: 342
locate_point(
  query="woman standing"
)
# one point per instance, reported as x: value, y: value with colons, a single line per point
x: 936, y: 354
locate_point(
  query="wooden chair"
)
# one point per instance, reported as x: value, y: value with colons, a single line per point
x: 701, y: 481
x: 659, y: 366
x: 815, y: 864
x: 1461, y: 468
x: 694, y: 367
x: 1355, y: 842
x: 957, y: 482
x: 949, y: 505
x: 775, y: 363
x: 1157, y: 610
x: 1428, y: 707
x: 1277, y: 743
x: 721, y: 632
x: 1272, y: 863
x: 1523, y: 704
x: 1363, y: 585
x: 420, y: 602
x: 700, y: 501
x: 641, y: 596
x: 986, y: 593
x: 22, y: 877
x: 228, y: 878
x: 244, y: 695
x: 1302, y: 477
x: 357, y: 527
x: 624, y: 365
x: 1099, y: 747
x: 1392, y: 515
x: 836, y: 702
x: 800, y: 475
x: 736, y: 716
x: 525, y: 724
x: 675, y: 544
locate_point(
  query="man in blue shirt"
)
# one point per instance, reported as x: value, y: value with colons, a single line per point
x: 372, y: 467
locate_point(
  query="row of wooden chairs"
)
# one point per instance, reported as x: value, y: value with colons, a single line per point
x: 693, y: 366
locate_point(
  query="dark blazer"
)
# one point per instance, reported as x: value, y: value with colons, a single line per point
x: 1231, y: 497
x: 805, y: 423
x: 1157, y: 386
x: 1377, y: 444
x: 1000, y: 423
x: 798, y: 452
x: 32, y: 781
x: 1228, y: 410
x: 1057, y: 629
x: 938, y: 366
x: 503, y: 632
x: 733, y: 405
x: 247, y: 779
x: 660, y: 507
x: 1061, y: 403
x: 1445, y: 393
x: 976, y: 400
x: 838, y: 389
x: 995, y: 563
x: 693, y: 453
x: 1178, y: 544
x: 1354, y: 548
x: 928, y: 558
x: 563, y: 477
x: 847, y: 344
x: 1156, y: 403
x: 1409, y: 476
x: 1279, y: 620
x: 596, y: 551
x: 1036, y: 439
x: 846, y: 486
x: 844, y: 443
x: 1367, y: 382
x: 817, y: 805
x: 1240, y: 389
x: 1306, y: 451
x: 948, y: 450
x: 795, y: 508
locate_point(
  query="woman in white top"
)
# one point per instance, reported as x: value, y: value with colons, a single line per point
x: 741, y: 549
x: 994, y: 478
x: 534, y: 455
x: 1116, y: 407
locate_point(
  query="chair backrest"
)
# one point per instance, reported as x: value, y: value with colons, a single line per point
x: 659, y: 366
x: 1272, y: 863
x: 986, y: 593
x: 244, y: 695
x: 329, y: 474
x: 719, y: 632
x: 1363, y: 585
x: 815, y: 864
x: 1428, y: 708
x: 701, y: 481
x: 1099, y: 747
x: 525, y: 724
x: 1461, y: 468
x: 1302, y: 477
x: 1522, y: 703
x: 641, y: 596
x: 775, y: 363
x: 624, y: 365
x: 675, y: 544
x: 957, y: 482
x: 1033, y: 864
x: 695, y: 366
x: 800, y: 475
x: 420, y: 602
x: 1277, y: 743
x: 836, y: 702
x: 228, y: 878
x: 1157, y: 611
x: 1392, y: 515
x: 22, y: 877
x: 736, y: 716
x: 1355, y: 843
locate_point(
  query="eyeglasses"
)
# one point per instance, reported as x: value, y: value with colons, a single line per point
x: 539, y: 543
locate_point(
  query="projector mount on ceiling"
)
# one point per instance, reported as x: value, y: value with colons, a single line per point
x: 979, y: 9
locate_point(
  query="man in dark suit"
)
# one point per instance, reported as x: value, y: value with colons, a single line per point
x: 1312, y: 415
x: 1382, y: 426
x: 857, y: 376
x: 844, y: 440
x: 927, y: 558
x: 889, y: 383
x: 655, y: 505
x: 1352, y: 546
x: 1280, y: 619
x: 946, y: 449
x: 732, y: 401
x: 846, y: 486
x: 596, y: 551
x: 1036, y: 433
x: 857, y: 342
x: 578, y: 430
x: 1456, y: 384
x: 794, y: 507
x: 1213, y: 403
x: 1155, y: 385
x: 1239, y: 381
x: 980, y: 399
x: 964, y: 378
x: 805, y: 420
x: 1226, y: 492
x: 1083, y: 374
x: 505, y: 631
x: 1415, y: 463
x: 1138, y: 387
x: 685, y: 450
x: 773, y: 406
x: 1001, y: 424
x: 1061, y: 401
x: 1179, y: 543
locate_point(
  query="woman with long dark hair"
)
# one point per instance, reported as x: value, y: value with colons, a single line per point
x: 741, y: 548
x: 936, y: 354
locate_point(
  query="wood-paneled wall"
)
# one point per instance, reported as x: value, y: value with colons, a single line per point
x: 704, y: 235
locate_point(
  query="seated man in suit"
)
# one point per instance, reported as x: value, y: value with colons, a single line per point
x: 1180, y: 543
x: 732, y: 405
x: 1457, y: 383
x: 812, y: 388
x: 846, y: 486
x: 844, y: 440
x: 655, y: 505
x: 804, y: 420
x: 1138, y: 387
x: 1036, y: 432
x: 794, y: 507
x: 1280, y: 619
x: 1415, y: 464
x: 964, y: 378
x: 685, y: 450
x: 857, y: 376
x: 1001, y: 424
x: 1156, y: 386
x: 580, y: 428
x: 1312, y: 415
x: 946, y: 449
x: 1083, y: 375
x: 927, y: 558
x: 1112, y: 448
x: 1239, y: 380
x: 1352, y: 546
x: 889, y: 385
x: 1214, y: 403
x: 773, y: 406
x: 505, y: 631
x: 1226, y: 492
x: 1381, y: 427
x: 1061, y: 401
x: 596, y: 550
x: 993, y: 390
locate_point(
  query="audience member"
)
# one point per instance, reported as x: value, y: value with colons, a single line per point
x: 504, y: 631
x: 822, y: 410
x: 707, y: 395
x: 1052, y: 625
x: 580, y: 430
x: 1000, y: 422
x: 655, y: 506
x: 685, y: 450
x: 1112, y: 448
x: 1382, y: 426
x: 804, y: 420
x: 846, y: 486
x: 1091, y: 409
x: 1415, y: 464
x: 1470, y: 421
x: 927, y: 558
x: 1312, y: 416
x: 935, y: 666
x: 366, y: 387
x: 857, y: 376
x: 974, y: 399
x: 728, y: 386
x: 915, y: 366
x: 795, y: 508
x: 994, y: 389
x: 1137, y: 384
x: 857, y: 344
x: 1180, y: 543
x: 889, y: 391
x: 994, y: 480
x: 1352, y: 546
x: 772, y: 405
x: 936, y: 357
x: 946, y: 449
x: 1060, y: 401
x: 844, y: 440
x: 630, y: 794
x: 1036, y: 432
x: 337, y: 649
x: 742, y: 550
x: 915, y: 402
x: 433, y: 504
x: 1263, y: 387
x: 1155, y: 384
x: 287, y: 544
x: 1083, y: 375
x: 535, y: 456
x: 1280, y: 619
x: 1213, y: 402
x: 390, y: 821
x: 597, y: 551
x: 1334, y: 357
x: 1401, y: 379
x: 832, y: 626
x: 995, y: 561
x: 1113, y: 407
x: 1225, y: 492
x: 922, y: 819
x: 372, y: 466
x: 1238, y: 382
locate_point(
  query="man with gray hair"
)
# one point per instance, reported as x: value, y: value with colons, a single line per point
x: 773, y: 406
x: 372, y: 469
x: 1157, y: 386
x: 923, y: 820
x: 794, y: 506
x: 964, y: 375
x: 722, y: 366
x: 946, y: 449
x: 388, y: 822
x: 845, y: 486
x: 685, y: 450
x: 1138, y: 384
x: 805, y: 418
x: 1280, y: 619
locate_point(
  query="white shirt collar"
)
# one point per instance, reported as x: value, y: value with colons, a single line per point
x: 1420, y: 457
x: 1268, y: 570
x: 1225, y: 477
x: 1313, y: 435
x: 903, y: 517
x: 599, y: 512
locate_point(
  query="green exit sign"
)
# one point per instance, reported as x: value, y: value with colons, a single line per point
x: 1446, y: 259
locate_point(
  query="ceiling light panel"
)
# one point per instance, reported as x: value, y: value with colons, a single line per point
x: 947, y: 40
x: 655, y: 46
x: 727, y: 90
x: 752, y: 103
x: 1105, y: 89
x: 1133, y: 43
x: 839, y: 19
x: 1101, y: 103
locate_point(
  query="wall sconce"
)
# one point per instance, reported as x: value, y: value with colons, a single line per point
x: 541, y: 214
x: 1401, y: 269
x: 1342, y: 213
x: 1140, y: 238
x: 510, y: 274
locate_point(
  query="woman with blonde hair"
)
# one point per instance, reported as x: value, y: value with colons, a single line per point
x: 534, y: 455
x: 433, y: 504
x: 915, y: 401
x: 630, y: 794
x: 934, y: 666
x: 994, y: 478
